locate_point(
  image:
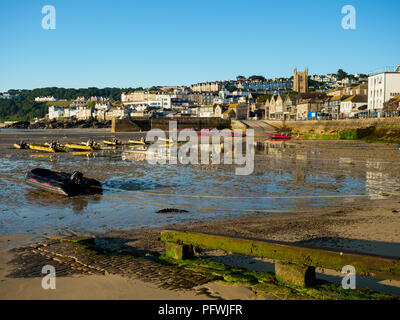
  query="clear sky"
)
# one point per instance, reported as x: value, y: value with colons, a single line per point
x: 129, y: 43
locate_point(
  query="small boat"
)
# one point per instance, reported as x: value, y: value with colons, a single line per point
x: 205, y: 132
x: 141, y: 142
x: 62, y: 183
x: 165, y: 140
x: 38, y: 147
x: 93, y: 144
x: 279, y: 136
x: 21, y: 145
x: 114, y: 142
x: 234, y: 134
x: 58, y: 147
x: 76, y: 146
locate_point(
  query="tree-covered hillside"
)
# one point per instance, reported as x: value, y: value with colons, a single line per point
x: 24, y: 107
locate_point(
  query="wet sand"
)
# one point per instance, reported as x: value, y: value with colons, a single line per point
x: 367, y: 225
x: 99, y: 287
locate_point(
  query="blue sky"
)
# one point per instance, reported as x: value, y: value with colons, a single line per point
x: 123, y: 43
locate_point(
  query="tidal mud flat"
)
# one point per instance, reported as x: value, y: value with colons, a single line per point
x: 310, y: 193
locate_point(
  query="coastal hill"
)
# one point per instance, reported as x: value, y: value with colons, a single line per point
x: 23, y: 107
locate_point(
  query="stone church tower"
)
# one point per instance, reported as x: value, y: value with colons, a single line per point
x: 300, y: 81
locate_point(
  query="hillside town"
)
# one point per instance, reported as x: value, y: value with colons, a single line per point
x: 301, y: 97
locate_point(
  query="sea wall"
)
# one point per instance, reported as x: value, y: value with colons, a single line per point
x: 380, y: 129
x: 134, y: 125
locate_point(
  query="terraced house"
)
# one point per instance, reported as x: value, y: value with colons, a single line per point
x: 353, y: 106
x: 281, y: 107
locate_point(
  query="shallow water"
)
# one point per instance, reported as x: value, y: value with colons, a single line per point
x: 285, y: 178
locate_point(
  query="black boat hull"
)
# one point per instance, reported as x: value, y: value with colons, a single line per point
x: 61, y: 183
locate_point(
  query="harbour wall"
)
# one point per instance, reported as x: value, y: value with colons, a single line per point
x: 380, y: 129
x: 139, y: 124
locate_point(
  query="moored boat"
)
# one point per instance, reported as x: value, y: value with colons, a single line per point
x: 114, y: 142
x: 58, y: 147
x: 38, y: 147
x: 77, y: 146
x: 140, y: 142
x: 61, y: 182
x: 279, y: 136
x: 21, y: 145
x: 93, y: 144
x: 234, y: 134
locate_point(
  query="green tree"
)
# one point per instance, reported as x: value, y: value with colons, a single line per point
x: 259, y: 78
x: 341, y: 74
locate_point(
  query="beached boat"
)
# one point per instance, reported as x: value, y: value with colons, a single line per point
x: 141, y: 142
x: 204, y: 132
x: 279, y: 136
x: 234, y: 134
x: 58, y: 147
x: 38, y: 147
x: 93, y: 144
x: 114, y: 142
x: 165, y: 140
x: 76, y: 146
x: 21, y: 145
x: 61, y: 182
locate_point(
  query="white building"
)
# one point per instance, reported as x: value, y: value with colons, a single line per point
x: 352, y: 105
x: 165, y: 101
x: 119, y: 113
x: 103, y: 106
x: 381, y: 88
x: 56, y: 112
x: 45, y: 99
x: 191, y: 111
x: 206, y: 111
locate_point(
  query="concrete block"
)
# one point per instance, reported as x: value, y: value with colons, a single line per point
x: 302, y: 276
x: 178, y: 251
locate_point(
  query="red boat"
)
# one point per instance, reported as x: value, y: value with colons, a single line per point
x: 233, y: 134
x: 279, y: 136
x: 206, y: 132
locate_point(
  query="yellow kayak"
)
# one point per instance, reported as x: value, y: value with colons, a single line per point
x: 113, y: 143
x: 21, y: 146
x: 94, y: 145
x: 166, y: 140
x: 57, y: 147
x: 78, y: 147
x: 136, y: 142
x: 41, y: 148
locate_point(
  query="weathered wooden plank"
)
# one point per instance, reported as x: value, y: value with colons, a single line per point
x: 367, y: 265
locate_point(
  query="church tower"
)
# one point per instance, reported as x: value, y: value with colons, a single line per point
x: 300, y: 81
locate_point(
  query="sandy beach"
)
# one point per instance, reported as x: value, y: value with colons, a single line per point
x: 360, y: 230
x: 367, y: 225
